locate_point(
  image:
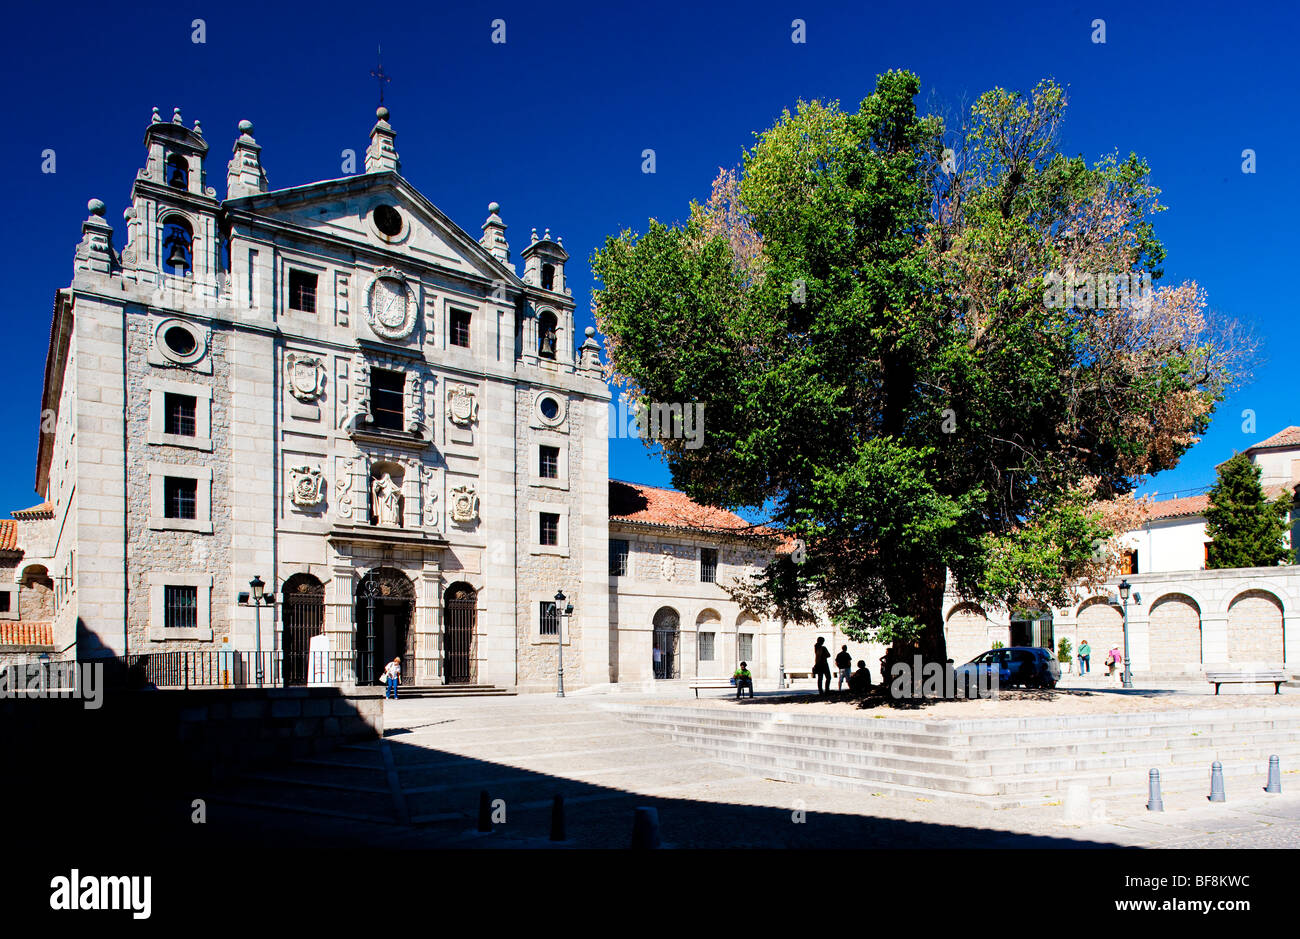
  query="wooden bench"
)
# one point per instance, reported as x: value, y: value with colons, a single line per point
x: 1275, y: 675
x: 714, y: 683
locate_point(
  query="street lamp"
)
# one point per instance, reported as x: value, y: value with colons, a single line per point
x: 561, y: 610
x: 259, y: 596
x: 1124, y: 588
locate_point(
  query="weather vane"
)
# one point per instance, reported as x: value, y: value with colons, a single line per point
x: 378, y: 74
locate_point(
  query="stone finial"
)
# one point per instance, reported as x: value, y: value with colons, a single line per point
x: 176, y: 116
x: 156, y: 119
x: 197, y: 129
x: 534, y: 238
x: 589, y: 354
x: 547, y: 235
x: 381, y: 155
x: 95, y: 252
x: 244, y: 173
x: 494, y: 234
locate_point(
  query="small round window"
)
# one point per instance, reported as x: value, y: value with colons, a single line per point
x: 388, y: 220
x: 179, y: 340
x: 550, y: 408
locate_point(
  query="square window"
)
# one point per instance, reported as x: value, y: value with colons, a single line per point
x: 458, y: 332
x: 617, y: 558
x: 706, y: 647
x: 548, y: 462
x: 178, y: 414
x: 550, y: 621
x: 5, y: 600
x: 708, y: 565
x: 180, y: 497
x: 180, y: 607
x: 302, y: 291
x: 549, y: 533
x: 387, y: 398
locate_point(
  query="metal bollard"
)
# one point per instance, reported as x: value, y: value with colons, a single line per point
x: 1216, y: 782
x: 484, y: 811
x: 645, y: 828
x: 557, y: 818
x: 1274, y: 775
x: 1154, y: 802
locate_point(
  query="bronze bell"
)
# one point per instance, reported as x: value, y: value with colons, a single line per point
x: 177, y: 258
x: 177, y: 178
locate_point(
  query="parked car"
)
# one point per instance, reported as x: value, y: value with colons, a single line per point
x: 1027, y: 666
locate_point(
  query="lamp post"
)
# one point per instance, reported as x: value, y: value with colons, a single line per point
x: 258, y: 588
x: 562, y: 611
x: 1124, y: 588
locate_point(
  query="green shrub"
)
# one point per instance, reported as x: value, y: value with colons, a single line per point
x: 1063, y: 650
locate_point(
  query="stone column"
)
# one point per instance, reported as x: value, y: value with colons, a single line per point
x: 428, y: 638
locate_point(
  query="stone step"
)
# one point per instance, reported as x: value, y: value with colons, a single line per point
x: 454, y: 691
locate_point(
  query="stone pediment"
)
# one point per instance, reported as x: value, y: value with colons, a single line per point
x: 382, y: 211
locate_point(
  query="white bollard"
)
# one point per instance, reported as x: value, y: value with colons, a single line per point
x: 1076, y: 804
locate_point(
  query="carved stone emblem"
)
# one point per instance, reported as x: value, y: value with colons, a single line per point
x: 430, y: 498
x: 343, y: 490
x: 464, y: 505
x: 462, y: 406
x: 391, y: 309
x: 306, y: 376
x: 307, y: 486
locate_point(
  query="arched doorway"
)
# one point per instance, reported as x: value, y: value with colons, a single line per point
x: 1174, y: 634
x: 459, y: 627
x: 385, y: 608
x: 303, y: 617
x: 667, y: 635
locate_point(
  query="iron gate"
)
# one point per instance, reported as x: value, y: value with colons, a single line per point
x: 304, y: 617
x: 459, y: 621
x: 665, y: 652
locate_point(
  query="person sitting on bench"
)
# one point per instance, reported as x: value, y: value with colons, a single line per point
x: 743, y: 680
x: 860, y: 681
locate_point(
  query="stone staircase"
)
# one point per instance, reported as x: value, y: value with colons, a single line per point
x: 454, y: 691
x: 996, y: 762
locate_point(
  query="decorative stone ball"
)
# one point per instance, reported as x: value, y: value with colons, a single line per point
x: 246, y: 127
x: 382, y: 113
x: 96, y: 206
x: 591, y: 331
x: 494, y: 208
x: 128, y: 213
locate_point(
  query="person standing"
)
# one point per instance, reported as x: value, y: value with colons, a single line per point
x: 844, y: 664
x: 822, y: 665
x: 392, y: 672
x: 1085, y: 657
x: 1114, y: 659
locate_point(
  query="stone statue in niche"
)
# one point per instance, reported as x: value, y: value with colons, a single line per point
x: 387, y: 499
x: 306, y: 376
x: 306, y: 486
x: 464, y: 505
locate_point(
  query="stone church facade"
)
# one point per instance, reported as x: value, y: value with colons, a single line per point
x: 334, y: 389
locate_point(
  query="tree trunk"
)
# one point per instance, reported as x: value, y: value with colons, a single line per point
x: 923, y: 599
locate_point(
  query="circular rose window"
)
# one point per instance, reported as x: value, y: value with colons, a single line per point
x: 180, y: 340
x: 388, y: 220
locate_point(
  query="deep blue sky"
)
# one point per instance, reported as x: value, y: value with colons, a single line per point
x: 552, y: 125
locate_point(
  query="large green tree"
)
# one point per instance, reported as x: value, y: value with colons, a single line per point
x: 1246, y: 529
x: 887, y: 367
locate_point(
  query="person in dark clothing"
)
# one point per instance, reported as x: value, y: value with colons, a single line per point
x: 843, y: 663
x: 822, y: 665
x: 860, y: 681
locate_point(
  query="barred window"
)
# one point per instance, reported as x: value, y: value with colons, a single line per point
x: 180, y: 607
x: 5, y: 598
x: 180, y: 497
x: 617, y: 558
x: 708, y: 565
x: 178, y: 414
x: 550, y: 529
x: 706, y: 647
x: 548, y: 459
x: 387, y: 398
x: 745, y: 648
x: 458, y: 334
x: 302, y: 291
x: 550, y: 622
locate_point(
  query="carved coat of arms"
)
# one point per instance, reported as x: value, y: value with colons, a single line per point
x: 307, y: 486
x: 462, y: 406
x: 464, y: 505
x: 306, y: 376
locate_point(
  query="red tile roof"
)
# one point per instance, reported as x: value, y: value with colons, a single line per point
x: 8, y: 535
x: 1290, y: 437
x: 26, y: 634
x: 44, y: 510
x: 668, y: 508
x: 1194, y: 505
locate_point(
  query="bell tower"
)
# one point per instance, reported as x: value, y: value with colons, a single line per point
x: 172, y: 235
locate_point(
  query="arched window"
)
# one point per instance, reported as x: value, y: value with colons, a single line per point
x: 178, y: 172
x: 548, y: 276
x: 177, y: 246
x: 664, y: 648
x: 546, y: 332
